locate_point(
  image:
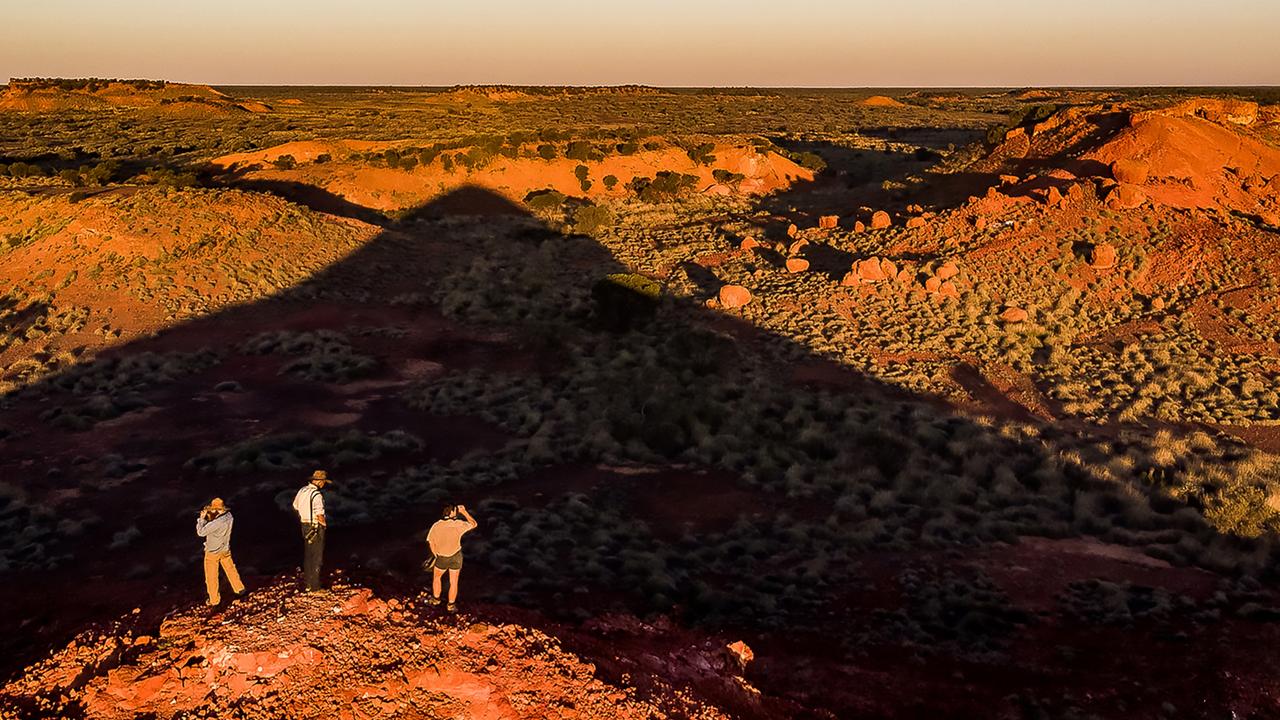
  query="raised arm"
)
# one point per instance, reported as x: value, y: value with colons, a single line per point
x: 201, y: 524
x: 462, y: 510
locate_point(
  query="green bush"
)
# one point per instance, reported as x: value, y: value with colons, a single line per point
x: 582, y: 151
x: 624, y: 300
x: 702, y: 154
x: 666, y: 185
x: 545, y: 200
x: 724, y: 177
x: 590, y: 219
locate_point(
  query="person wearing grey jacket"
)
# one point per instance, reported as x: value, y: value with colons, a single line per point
x: 214, y: 525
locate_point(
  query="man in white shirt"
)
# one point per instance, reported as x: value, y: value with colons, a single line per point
x: 445, y: 539
x: 309, y: 504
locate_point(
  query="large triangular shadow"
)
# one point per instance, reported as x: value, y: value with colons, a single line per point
x: 382, y: 285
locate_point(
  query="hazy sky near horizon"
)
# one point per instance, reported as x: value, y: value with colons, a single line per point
x: 853, y: 43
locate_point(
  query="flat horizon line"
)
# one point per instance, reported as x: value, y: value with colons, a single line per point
x: 677, y: 87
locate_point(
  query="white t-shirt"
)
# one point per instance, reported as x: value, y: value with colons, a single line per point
x: 308, y: 503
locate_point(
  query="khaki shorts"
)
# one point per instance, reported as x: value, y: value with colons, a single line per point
x: 451, y: 562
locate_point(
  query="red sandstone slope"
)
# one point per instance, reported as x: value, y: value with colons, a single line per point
x: 1201, y: 153
x: 347, y: 654
x: 1192, y: 162
x: 333, y: 167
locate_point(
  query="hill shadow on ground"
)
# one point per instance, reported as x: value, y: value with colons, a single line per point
x: 694, y: 466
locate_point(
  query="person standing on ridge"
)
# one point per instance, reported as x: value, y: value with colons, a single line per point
x: 445, y: 539
x: 214, y: 525
x: 309, y: 504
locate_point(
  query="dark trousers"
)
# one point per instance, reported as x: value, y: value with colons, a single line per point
x: 312, y: 554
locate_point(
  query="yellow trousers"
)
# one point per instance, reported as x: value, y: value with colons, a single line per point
x: 211, y: 563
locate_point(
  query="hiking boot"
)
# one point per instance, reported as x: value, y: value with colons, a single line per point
x: 451, y: 607
x: 433, y: 601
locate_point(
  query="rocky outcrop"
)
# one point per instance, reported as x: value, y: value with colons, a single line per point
x: 346, y: 653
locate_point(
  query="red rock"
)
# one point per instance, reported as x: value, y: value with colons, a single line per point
x: 1014, y: 315
x: 947, y: 270
x: 734, y: 296
x: 904, y: 276
x: 880, y: 220
x: 1269, y: 218
x: 749, y: 243
x: 1103, y: 256
x: 859, y: 226
x: 1133, y: 172
x: 796, y: 265
x: 796, y: 247
x: 932, y: 284
x: 980, y: 223
x: 145, y: 691
x: 869, y: 270
x: 915, y: 222
x: 889, y: 268
x: 1054, y: 197
x: 1010, y: 179
x: 792, y: 230
x: 948, y: 289
x: 1126, y: 197
x: 827, y: 222
x: 850, y: 279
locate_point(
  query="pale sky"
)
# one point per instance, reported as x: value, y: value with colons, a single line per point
x: 854, y: 43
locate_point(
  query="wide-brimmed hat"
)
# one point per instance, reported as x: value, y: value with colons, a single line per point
x: 217, y: 504
x: 320, y: 475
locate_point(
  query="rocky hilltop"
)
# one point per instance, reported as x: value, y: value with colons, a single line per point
x: 349, y: 653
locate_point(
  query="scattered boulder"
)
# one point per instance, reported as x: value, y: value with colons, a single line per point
x: 948, y: 289
x: 889, y: 268
x: 1014, y: 315
x: 1103, y: 256
x: 749, y: 243
x: 797, y: 265
x: 797, y: 247
x: 932, y: 284
x: 792, y: 230
x: 904, y: 276
x: 915, y: 222
x: 734, y: 296
x: 1054, y: 197
x: 869, y: 270
x: 947, y: 270
x: 1010, y: 179
x: 827, y: 222
x: 1133, y: 172
x: 1269, y: 218
x: 880, y: 220
x: 1126, y: 197
x: 859, y: 226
